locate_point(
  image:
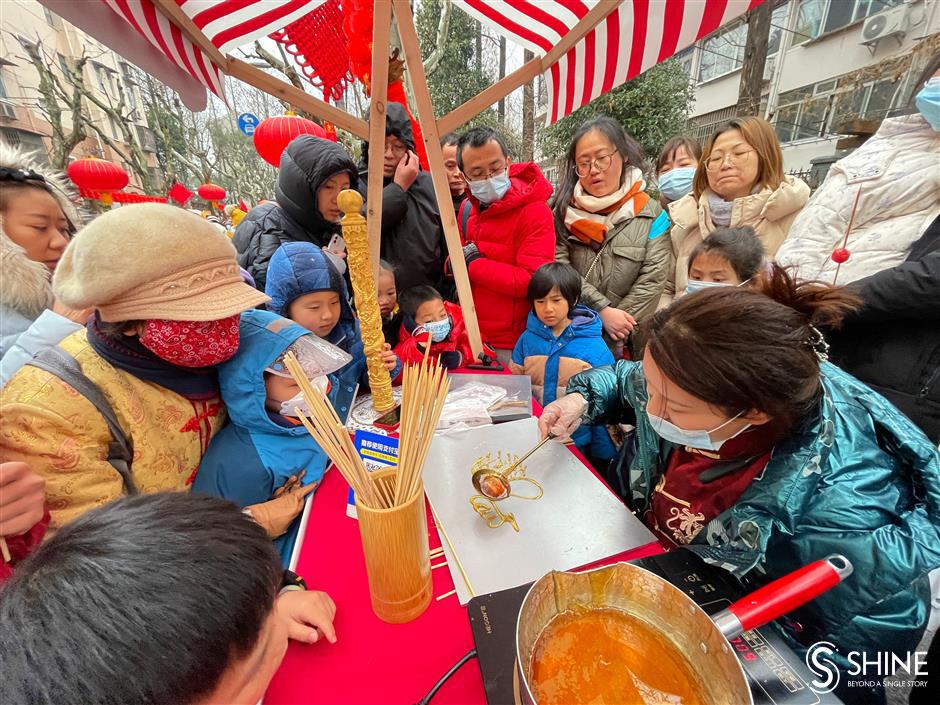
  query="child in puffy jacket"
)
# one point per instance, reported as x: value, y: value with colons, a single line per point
x: 305, y: 287
x: 426, y: 316
x: 563, y: 338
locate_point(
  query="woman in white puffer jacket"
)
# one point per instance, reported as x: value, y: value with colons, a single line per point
x: 898, y: 172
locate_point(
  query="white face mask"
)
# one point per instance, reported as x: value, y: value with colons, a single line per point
x: 289, y: 407
x: 694, y: 285
x: 693, y: 439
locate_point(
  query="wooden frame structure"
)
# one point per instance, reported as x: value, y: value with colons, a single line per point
x: 431, y: 126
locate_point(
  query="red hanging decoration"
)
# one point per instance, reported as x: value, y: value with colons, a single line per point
x: 840, y: 255
x: 211, y: 193
x: 95, y: 174
x: 357, y: 26
x: 273, y: 134
x: 179, y: 193
x: 316, y: 40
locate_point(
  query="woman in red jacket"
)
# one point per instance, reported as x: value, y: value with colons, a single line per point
x: 508, y: 235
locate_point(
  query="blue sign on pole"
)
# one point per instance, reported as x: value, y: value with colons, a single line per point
x: 247, y: 123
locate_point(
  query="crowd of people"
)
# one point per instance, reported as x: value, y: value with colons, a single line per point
x: 758, y: 383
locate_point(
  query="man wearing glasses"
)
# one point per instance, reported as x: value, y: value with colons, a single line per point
x: 508, y: 234
x: 412, y: 234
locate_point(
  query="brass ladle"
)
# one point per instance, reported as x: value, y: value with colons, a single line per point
x: 495, y: 484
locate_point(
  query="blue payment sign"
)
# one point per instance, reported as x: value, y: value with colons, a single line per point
x: 247, y: 123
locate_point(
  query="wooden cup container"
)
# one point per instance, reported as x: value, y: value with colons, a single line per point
x: 398, y: 562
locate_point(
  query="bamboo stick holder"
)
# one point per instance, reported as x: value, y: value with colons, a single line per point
x: 398, y: 561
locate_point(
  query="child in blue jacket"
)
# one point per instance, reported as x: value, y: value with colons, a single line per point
x: 563, y: 338
x: 263, y: 459
x: 305, y: 287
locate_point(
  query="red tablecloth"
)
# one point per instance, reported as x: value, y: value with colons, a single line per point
x: 374, y: 663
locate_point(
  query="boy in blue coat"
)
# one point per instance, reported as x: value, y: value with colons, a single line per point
x: 263, y: 459
x: 305, y: 287
x: 563, y: 338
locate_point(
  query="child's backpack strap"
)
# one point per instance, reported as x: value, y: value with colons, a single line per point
x: 57, y: 362
x: 465, y: 208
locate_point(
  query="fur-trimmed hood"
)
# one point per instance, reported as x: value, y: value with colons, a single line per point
x: 25, y: 286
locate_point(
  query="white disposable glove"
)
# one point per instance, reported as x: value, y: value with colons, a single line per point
x: 562, y: 417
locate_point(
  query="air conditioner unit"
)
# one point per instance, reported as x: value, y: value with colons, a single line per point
x: 887, y: 23
x: 7, y: 110
x: 769, y: 66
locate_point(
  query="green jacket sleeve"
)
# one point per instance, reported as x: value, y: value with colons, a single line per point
x: 644, y: 296
x: 590, y: 296
x: 610, y: 392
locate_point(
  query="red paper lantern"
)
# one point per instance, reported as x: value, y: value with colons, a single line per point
x: 273, y: 135
x: 211, y: 193
x: 99, y: 175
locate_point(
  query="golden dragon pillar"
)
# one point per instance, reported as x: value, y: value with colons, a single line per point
x: 364, y: 291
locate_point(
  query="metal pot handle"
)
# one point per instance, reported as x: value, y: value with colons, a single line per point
x: 783, y: 595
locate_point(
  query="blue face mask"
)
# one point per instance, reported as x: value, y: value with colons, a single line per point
x: 928, y: 102
x: 492, y: 189
x: 439, y: 330
x: 693, y: 439
x: 677, y: 183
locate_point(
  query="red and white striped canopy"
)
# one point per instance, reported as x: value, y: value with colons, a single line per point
x: 638, y: 35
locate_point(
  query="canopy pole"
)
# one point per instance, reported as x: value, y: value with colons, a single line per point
x: 430, y: 134
x: 381, y: 28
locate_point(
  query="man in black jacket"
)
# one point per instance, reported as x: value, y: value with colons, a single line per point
x: 893, y: 342
x: 412, y: 234
x: 313, y: 171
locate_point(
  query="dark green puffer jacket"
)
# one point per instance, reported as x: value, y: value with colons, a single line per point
x: 858, y: 478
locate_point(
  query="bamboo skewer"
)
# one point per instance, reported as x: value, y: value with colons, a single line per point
x: 5, y: 550
x: 446, y: 594
x: 424, y: 391
x: 453, y: 553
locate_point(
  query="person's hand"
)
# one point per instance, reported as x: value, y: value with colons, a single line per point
x: 22, y: 498
x: 79, y: 316
x: 389, y: 359
x: 562, y: 417
x: 471, y: 252
x: 276, y: 515
x: 618, y: 323
x: 339, y: 255
x: 407, y: 170
x: 309, y: 615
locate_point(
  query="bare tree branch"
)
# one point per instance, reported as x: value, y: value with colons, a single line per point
x: 443, y: 25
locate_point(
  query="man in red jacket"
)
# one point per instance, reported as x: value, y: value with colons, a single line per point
x: 508, y: 235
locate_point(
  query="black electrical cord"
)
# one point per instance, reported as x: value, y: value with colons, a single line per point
x: 453, y: 669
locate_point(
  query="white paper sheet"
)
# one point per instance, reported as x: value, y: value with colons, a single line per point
x: 577, y: 521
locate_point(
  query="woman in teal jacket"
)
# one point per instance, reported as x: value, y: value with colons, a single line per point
x: 758, y: 456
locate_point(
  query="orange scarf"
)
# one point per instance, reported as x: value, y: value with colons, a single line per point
x: 589, y: 218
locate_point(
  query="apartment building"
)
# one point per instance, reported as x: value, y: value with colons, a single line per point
x: 22, y: 122
x: 830, y: 62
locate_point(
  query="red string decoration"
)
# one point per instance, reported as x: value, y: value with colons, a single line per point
x: 317, y: 42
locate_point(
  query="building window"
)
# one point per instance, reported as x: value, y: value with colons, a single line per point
x: 147, y: 139
x: 3, y: 88
x: 778, y: 25
x: 29, y: 141
x: 818, y: 17
x: 722, y: 53
x: 703, y: 126
x: 818, y: 110
x: 685, y: 59
x: 103, y: 79
x: 50, y: 18
x: 115, y: 131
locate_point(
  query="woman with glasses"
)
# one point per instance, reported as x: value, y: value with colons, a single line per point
x: 739, y: 181
x: 609, y: 229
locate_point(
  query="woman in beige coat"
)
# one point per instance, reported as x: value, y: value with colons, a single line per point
x: 739, y: 181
